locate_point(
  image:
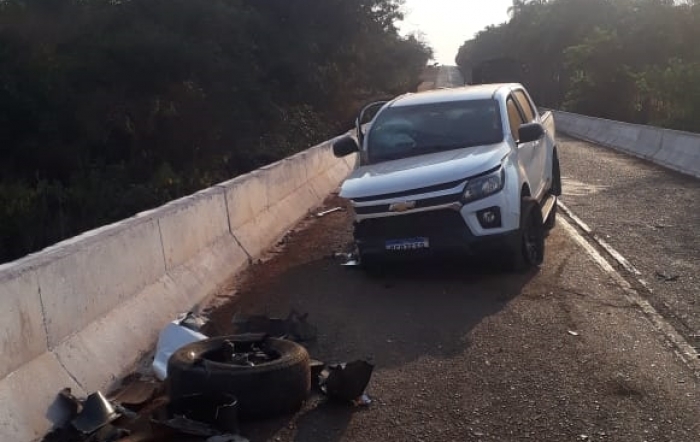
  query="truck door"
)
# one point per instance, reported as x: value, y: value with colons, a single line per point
x: 526, y: 151
x: 538, y: 148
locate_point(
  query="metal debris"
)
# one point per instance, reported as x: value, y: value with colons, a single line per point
x: 573, y: 333
x: 666, y: 278
x: 351, y: 263
x: 348, y: 259
x: 362, y: 401
x: 294, y: 327
x: 96, y: 412
x: 135, y: 393
x: 329, y: 211
x: 346, y: 382
x: 248, y: 353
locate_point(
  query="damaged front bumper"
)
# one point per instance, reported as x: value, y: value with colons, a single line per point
x: 420, y: 234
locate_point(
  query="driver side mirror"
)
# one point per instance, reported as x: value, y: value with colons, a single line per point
x: 530, y: 132
x: 344, y: 146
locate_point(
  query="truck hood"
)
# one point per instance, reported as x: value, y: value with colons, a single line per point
x: 422, y: 171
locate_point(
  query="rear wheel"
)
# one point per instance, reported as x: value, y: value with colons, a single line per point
x: 528, y: 250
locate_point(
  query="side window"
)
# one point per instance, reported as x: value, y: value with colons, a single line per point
x: 514, y: 117
x: 525, y: 105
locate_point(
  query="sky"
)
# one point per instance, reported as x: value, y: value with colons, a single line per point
x: 447, y: 24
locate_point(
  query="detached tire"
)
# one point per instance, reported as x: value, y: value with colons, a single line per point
x: 269, y: 389
x: 528, y: 251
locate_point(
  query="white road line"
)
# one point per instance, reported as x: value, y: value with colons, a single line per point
x: 604, y: 244
x: 682, y: 348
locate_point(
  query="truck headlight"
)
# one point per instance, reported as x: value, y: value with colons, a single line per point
x: 484, y: 186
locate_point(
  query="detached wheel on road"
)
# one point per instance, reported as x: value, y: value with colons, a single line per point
x: 528, y: 251
x: 269, y: 377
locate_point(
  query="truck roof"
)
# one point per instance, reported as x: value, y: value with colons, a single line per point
x: 470, y: 92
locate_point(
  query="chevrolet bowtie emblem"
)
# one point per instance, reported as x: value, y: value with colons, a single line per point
x: 402, y: 207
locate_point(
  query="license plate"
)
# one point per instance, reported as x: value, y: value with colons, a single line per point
x: 407, y: 244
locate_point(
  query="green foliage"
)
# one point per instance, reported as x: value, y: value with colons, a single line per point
x: 631, y: 60
x: 111, y: 107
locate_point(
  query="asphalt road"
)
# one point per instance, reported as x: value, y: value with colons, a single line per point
x: 449, y: 76
x: 647, y: 213
x: 463, y: 352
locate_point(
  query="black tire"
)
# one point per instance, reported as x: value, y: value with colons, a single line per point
x: 269, y: 389
x: 528, y: 250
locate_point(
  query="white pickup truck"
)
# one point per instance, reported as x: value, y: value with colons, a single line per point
x: 471, y: 169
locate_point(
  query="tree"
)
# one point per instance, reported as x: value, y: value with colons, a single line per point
x: 113, y: 107
x: 614, y: 58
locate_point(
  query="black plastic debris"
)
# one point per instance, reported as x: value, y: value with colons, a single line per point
x: 96, y: 412
x: 108, y: 433
x: 227, y: 438
x: 294, y: 327
x: 347, y: 382
x: 72, y: 404
x: 90, y: 420
x: 68, y: 434
x: 193, y: 321
x: 316, y: 368
x: 218, y: 413
x: 183, y: 425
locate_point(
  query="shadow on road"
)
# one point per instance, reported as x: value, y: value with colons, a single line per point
x: 417, y: 310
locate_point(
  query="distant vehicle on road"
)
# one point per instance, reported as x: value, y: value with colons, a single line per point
x: 470, y: 169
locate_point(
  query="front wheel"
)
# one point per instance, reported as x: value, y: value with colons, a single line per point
x: 528, y: 250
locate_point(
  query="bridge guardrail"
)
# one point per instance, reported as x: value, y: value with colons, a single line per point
x: 673, y: 149
x: 82, y: 313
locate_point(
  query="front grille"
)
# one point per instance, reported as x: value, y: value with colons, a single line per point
x: 387, y: 196
x: 426, y: 202
x: 410, y: 225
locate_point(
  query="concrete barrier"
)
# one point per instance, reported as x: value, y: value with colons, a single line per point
x: 82, y: 313
x: 676, y: 150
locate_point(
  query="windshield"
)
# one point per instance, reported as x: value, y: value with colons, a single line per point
x: 404, y: 131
